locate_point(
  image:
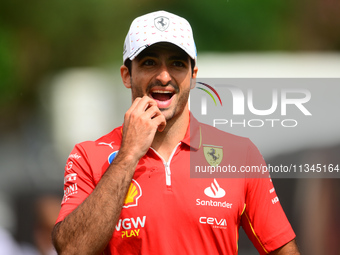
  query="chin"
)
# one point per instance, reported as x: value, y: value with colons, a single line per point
x: 171, y: 114
x: 167, y: 113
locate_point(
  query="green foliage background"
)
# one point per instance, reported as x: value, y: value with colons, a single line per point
x: 38, y: 37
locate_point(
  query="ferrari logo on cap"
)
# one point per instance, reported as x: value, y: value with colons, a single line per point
x: 213, y: 154
x: 162, y: 23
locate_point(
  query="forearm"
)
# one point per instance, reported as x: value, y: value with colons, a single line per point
x: 88, y: 229
x: 288, y: 249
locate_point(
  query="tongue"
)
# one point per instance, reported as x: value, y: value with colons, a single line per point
x: 161, y: 96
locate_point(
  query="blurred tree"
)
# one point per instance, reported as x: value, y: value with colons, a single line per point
x: 7, y: 62
x: 319, y: 25
x: 38, y: 38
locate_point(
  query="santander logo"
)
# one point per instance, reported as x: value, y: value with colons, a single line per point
x: 214, y: 191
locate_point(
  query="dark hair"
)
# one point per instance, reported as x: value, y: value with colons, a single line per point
x: 128, y: 62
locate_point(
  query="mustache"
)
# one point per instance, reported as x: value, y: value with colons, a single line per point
x: 159, y: 84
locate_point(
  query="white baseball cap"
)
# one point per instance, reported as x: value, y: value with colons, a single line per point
x: 155, y: 27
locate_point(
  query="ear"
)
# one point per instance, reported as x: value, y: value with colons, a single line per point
x: 194, y: 75
x: 125, y: 74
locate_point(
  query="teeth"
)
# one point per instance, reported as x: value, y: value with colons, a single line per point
x: 162, y: 92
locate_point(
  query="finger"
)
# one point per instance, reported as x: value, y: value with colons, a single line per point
x: 138, y: 106
x: 133, y: 105
x: 160, y: 122
x: 152, y: 111
x: 145, y: 103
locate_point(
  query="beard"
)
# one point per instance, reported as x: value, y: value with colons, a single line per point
x: 177, y: 105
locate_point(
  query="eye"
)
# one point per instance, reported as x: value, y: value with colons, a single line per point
x: 179, y: 64
x: 149, y: 62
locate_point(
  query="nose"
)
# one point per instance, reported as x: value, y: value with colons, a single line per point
x: 164, y: 76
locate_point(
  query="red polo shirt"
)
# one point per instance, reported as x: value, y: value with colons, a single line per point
x: 168, y: 212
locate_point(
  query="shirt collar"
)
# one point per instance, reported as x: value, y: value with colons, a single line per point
x: 193, y: 136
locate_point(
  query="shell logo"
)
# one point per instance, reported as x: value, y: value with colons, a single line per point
x: 133, y: 194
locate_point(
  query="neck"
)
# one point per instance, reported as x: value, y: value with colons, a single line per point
x: 174, y: 132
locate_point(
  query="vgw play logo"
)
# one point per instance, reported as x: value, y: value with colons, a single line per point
x: 242, y: 105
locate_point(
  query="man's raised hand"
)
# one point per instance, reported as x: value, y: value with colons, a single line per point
x: 141, y: 122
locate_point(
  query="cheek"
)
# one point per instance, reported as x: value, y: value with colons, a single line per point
x: 136, y: 90
x: 184, y: 96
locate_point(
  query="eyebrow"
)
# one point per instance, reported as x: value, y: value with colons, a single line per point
x: 179, y: 56
x: 146, y: 54
x: 183, y: 57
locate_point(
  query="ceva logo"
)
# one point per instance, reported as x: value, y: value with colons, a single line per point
x: 133, y: 194
x: 214, y: 191
x: 213, y: 221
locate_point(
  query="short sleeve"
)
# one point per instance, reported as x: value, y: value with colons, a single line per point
x: 264, y: 220
x: 78, y: 181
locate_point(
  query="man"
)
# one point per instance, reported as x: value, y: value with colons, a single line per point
x: 130, y: 192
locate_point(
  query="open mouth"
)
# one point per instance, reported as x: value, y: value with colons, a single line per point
x: 162, y: 97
